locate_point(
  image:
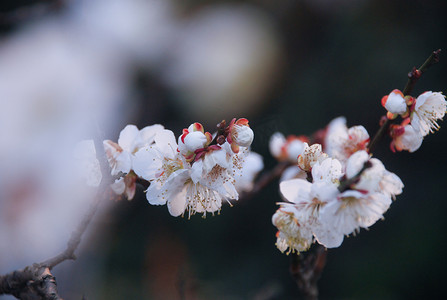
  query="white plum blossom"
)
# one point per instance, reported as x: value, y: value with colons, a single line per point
x: 193, y: 138
x: 310, y: 156
x: 395, y: 102
x: 366, y: 201
x: 156, y: 163
x: 286, y: 149
x: 291, y: 234
x: 310, y: 198
x: 239, y: 134
x: 429, y: 107
x: 406, y: 138
x: 375, y: 178
x: 196, y: 181
x: 341, y: 142
x: 352, y: 210
x: 329, y: 207
x: 130, y: 140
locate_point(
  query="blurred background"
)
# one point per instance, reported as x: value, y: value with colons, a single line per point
x: 71, y: 70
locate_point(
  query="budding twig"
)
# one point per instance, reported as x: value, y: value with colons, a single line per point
x: 413, y: 77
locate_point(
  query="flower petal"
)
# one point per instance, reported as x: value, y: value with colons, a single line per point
x: 291, y: 189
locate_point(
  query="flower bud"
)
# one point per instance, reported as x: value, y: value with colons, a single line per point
x: 242, y: 135
x: 193, y: 138
x: 406, y: 138
x: 311, y: 155
x: 395, y: 102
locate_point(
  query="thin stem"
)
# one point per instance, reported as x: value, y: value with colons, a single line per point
x: 415, y: 74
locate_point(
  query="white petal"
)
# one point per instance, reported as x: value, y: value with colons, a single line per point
x: 337, y: 131
x: 216, y: 157
x: 341, y: 219
x: 147, y: 134
x: 324, y: 191
x: 177, y: 203
x: 147, y: 162
x: 391, y: 184
x: 175, y: 190
x: 165, y: 141
x: 123, y: 163
x: 328, y: 170
x: 396, y: 103
x: 154, y: 194
x: 411, y: 140
x: 197, y: 171
x: 327, y: 235
x: 429, y: 107
x: 291, y: 189
x: 355, y: 163
x: 251, y: 166
x: 195, y: 140
x: 128, y: 137
x: 243, y: 135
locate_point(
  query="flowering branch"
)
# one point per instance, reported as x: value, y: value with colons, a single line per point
x: 332, y: 194
x: 413, y: 77
x: 415, y: 74
x: 36, y: 281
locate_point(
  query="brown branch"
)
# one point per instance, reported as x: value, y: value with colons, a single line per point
x: 306, y: 269
x: 415, y: 74
x: 32, y: 283
x: 36, y: 281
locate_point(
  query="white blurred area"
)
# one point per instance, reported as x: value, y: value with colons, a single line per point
x: 224, y: 62
x: 56, y: 88
x: 68, y: 77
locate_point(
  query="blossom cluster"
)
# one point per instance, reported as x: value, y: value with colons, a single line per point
x: 419, y: 116
x: 337, y: 191
x: 195, y: 173
x: 334, y: 186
